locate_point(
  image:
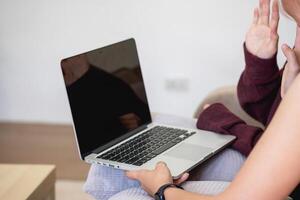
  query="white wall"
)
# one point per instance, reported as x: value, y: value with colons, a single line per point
x: 197, y: 40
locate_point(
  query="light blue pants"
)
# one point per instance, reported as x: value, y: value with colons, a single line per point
x: 200, y: 187
x: 103, y: 183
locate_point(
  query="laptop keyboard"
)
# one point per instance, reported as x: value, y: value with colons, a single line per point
x: 146, y: 146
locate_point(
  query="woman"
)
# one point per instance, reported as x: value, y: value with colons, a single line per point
x: 272, y: 169
x: 261, y: 86
x: 105, y: 182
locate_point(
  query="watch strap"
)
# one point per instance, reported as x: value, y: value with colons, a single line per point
x: 159, y: 195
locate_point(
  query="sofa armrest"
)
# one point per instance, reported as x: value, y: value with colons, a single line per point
x: 227, y: 96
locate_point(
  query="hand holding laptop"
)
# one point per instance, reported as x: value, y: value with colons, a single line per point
x: 112, y: 121
x: 154, y: 179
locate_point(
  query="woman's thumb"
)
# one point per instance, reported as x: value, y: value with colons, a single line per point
x: 290, y: 55
x: 132, y: 174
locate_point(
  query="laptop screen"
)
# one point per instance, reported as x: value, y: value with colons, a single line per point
x: 106, y: 93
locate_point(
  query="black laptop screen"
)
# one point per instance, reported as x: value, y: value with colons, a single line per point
x: 106, y: 93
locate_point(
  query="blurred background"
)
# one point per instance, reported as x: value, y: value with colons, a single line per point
x: 186, y: 49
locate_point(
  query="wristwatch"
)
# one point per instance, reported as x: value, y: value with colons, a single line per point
x: 159, y: 195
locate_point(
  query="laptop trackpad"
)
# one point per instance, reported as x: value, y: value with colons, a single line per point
x: 189, y: 152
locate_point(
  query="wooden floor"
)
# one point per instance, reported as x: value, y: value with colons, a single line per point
x: 42, y: 144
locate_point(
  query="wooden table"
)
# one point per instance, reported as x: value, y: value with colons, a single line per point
x: 30, y: 182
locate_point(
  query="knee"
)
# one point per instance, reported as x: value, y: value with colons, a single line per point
x: 230, y: 157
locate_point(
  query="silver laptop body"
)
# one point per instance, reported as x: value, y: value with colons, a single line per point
x: 111, y: 117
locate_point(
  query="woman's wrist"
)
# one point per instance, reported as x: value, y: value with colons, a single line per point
x: 178, y: 194
x: 172, y: 193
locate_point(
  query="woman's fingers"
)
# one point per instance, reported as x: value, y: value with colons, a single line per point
x: 275, y: 17
x: 160, y: 165
x: 136, y: 174
x: 264, y: 10
x: 262, y: 14
x: 255, y: 16
x: 182, y: 179
x: 260, y: 11
x: 133, y: 174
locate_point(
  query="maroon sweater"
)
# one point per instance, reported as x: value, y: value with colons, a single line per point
x: 259, y: 95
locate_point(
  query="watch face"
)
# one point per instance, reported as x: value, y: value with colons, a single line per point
x: 157, y: 197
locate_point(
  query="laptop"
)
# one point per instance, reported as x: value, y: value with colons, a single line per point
x: 112, y: 120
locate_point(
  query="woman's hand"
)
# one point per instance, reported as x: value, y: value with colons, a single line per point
x: 291, y: 70
x: 262, y: 37
x: 152, y: 180
x: 292, y: 67
x: 206, y: 106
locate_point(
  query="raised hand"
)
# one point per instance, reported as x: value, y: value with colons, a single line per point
x: 262, y: 37
x: 292, y: 68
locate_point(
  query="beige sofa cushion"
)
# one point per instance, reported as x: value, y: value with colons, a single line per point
x: 228, y: 96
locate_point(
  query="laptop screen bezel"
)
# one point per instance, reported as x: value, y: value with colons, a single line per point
x: 127, y: 135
